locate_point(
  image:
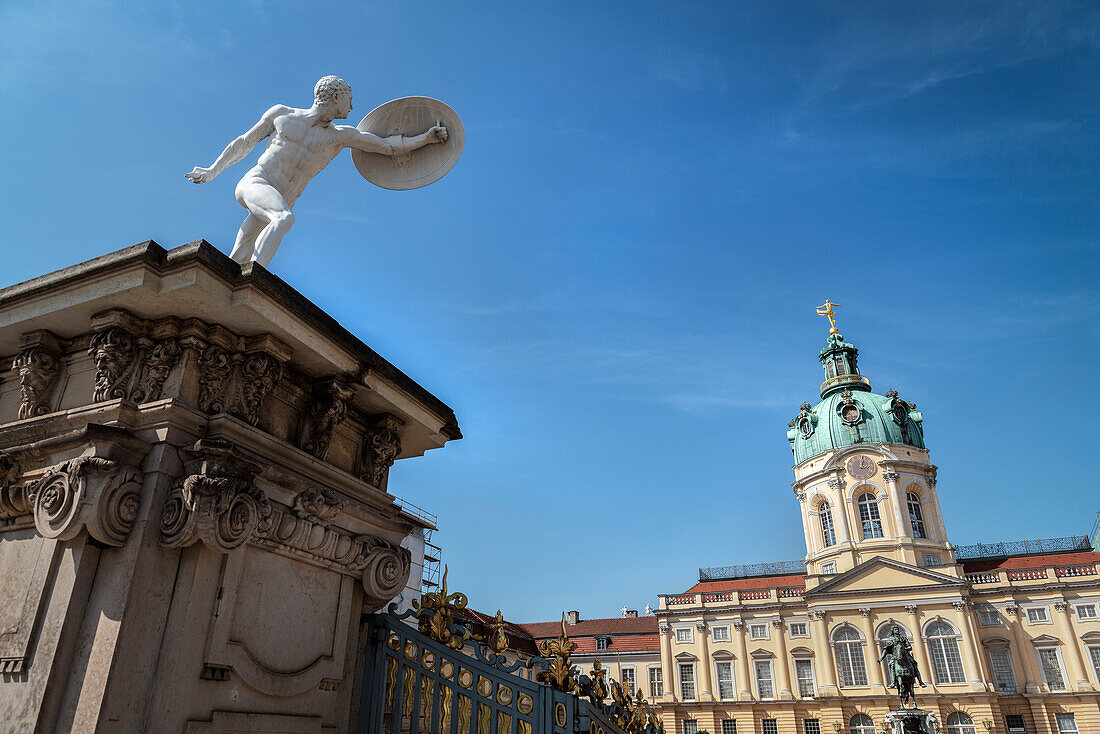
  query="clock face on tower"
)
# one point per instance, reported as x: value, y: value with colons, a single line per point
x: 861, y: 467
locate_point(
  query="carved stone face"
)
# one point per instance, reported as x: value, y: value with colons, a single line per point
x: 339, y: 108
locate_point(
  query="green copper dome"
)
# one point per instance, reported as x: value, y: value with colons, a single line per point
x: 849, y: 413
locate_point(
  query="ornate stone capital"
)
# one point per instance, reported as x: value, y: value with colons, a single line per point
x: 327, y: 410
x: 14, y: 499
x: 218, y: 504
x: 817, y: 615
x: 801, y: 494
x: 664, y: 627
x: 890, y: 475
x: 959, y: 605
x: 865, y: 612
x: 1012, y: 609
x: 836, y: 483
x: 1060, y: 606
x: 931, y: 481
x: 381, y: 447
x: 701, y: 626
x: 911, y: 609
x: 129, y: 365
x: 37, y: 364
x: 738, y: 624
x: 87, y: 492
x: 778, y: 623
x: 236, y: 382
x: 386, y: 570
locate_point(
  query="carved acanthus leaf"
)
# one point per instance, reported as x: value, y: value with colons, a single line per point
x: 236, y: 382
x: 129, y: 366
x: 381, y: 447
x: 328, y: 409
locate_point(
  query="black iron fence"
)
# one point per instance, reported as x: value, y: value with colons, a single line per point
x: 1023, y: 547
x: 745, y: 570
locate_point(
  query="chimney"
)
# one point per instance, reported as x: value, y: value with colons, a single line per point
x: 573, y: 617
x: 632, y: 612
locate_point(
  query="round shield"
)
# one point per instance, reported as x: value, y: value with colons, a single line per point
x: 410, y: 116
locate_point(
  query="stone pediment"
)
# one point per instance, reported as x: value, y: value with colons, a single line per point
x: 882, y: 575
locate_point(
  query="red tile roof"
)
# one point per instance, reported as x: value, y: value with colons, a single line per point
x: 518, y: 637
x: 1051, y: 559
x: 619, y: 643
x: 759, y: 582
x: 589, y: 627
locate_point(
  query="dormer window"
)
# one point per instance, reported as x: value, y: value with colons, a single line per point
x: 602, y: 643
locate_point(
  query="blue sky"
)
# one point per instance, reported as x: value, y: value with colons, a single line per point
x: 615, y: 287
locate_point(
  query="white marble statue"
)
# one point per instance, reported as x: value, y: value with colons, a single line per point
x: 300, y: 144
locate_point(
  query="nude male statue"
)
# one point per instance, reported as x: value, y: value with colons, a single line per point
x: 300, y: 144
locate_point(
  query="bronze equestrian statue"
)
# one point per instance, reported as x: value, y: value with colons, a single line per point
x: 901, y: 667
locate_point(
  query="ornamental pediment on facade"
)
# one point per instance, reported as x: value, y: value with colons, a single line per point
x: 882, y: 575
x: 1044, y: 640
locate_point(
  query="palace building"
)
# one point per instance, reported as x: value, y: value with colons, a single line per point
x: 1007, y: 636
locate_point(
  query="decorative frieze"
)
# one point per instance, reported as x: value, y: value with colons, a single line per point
x: 88, y: 492
x: 381, y: 447
x: 37, y: 364
x: 328, y: 409
x: 131, y: 366
x: 236, y: 382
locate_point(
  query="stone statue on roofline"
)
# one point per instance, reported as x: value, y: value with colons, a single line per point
x: 301, y: 142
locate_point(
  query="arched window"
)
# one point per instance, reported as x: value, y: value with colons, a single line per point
x: 915, y: 515
x: 828, y: 534
x: 861, y: 724
x: 848, y: 649
x: 960, y: 723
x: 943, y: 649
x: 868, y: 515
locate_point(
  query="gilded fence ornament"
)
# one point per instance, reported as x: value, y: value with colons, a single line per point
x: 498, y: 641
x: 561, y: 674
x: 435, y: 611
x: 594, y: 687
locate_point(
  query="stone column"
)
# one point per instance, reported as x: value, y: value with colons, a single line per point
x: 840, y: 511
x: 667, y: 663
x: 901, y: 508
x: 874, y: 669
x: 743, y: 660
x: 707, y: 694
x: 1029, y: 672
x: 785, y: 691
x: 920, y: 651
x: 970, y: 646
x: 983, y: 660
x: 823, y: 652
x: 940, y: 527
x: 1076, y: 660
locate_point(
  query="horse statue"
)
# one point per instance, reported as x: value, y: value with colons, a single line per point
x: 901, y: 668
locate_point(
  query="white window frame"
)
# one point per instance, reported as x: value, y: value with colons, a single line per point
x: 982, y: 622
x: 602, y: 642
x: 940, y: 650
x: 805, y: 629
x: 828, y: 568
x: 755, y: 626
x: 724, y: 629
x: 812, y: 678
x: 935, y: 557
x: 1094, y: 659
x: 1061, y: 667
x: 690, y: 635
x: 874, y: 522
x: 718, y: 680
x: 653, y: 695
x: 680, y: 681
x: 1011, y: 669
x: 1046, y: 615
x: 633, y: 677
x: 771, y: 677
x: 1069, y: 718
x: 1092, y: 617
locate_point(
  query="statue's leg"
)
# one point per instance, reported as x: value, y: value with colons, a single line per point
x: 265, y: 203
x: 246, y: 238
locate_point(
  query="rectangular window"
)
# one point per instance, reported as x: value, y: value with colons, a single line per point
x: 1004, y: 677
x: 684, y: 634
x: 1066, y: 724
x: 1037, y: 615
x: 828, y: 569
x: 691, y: 726
x: 628, y: 680
x: 687, y: 681
x: 725, y: 680
x: 769, y: 726
x: 1094, y: 653
x: 720, y: 634
x: 758, y: 631
x: 656, y: 683
x: 1015, y: 723
x: 989, y: 618
x: 764, y: 687
x: 811, y: 726
x: 931, y: 559
x: 601, y: 643
x: 729, y: 726
x: 1086, y: 611
x: 798, y: 629
x: 804, y: 670
x: 1052, y: 668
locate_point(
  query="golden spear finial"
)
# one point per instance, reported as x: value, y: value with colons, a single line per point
x: 826, y: 309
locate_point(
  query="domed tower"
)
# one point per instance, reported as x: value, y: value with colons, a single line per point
x: 862, y: 474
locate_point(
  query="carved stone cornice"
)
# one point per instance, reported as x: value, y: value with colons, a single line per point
x: 129, y: 363
x: 381, y: 447
x: 327, y: 410
x: 88, y: 492
x: 236, y: 382
x: 37, y: 364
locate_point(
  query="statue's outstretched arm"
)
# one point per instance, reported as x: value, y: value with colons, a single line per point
x: 394, y: 144
x: 239, y: 148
